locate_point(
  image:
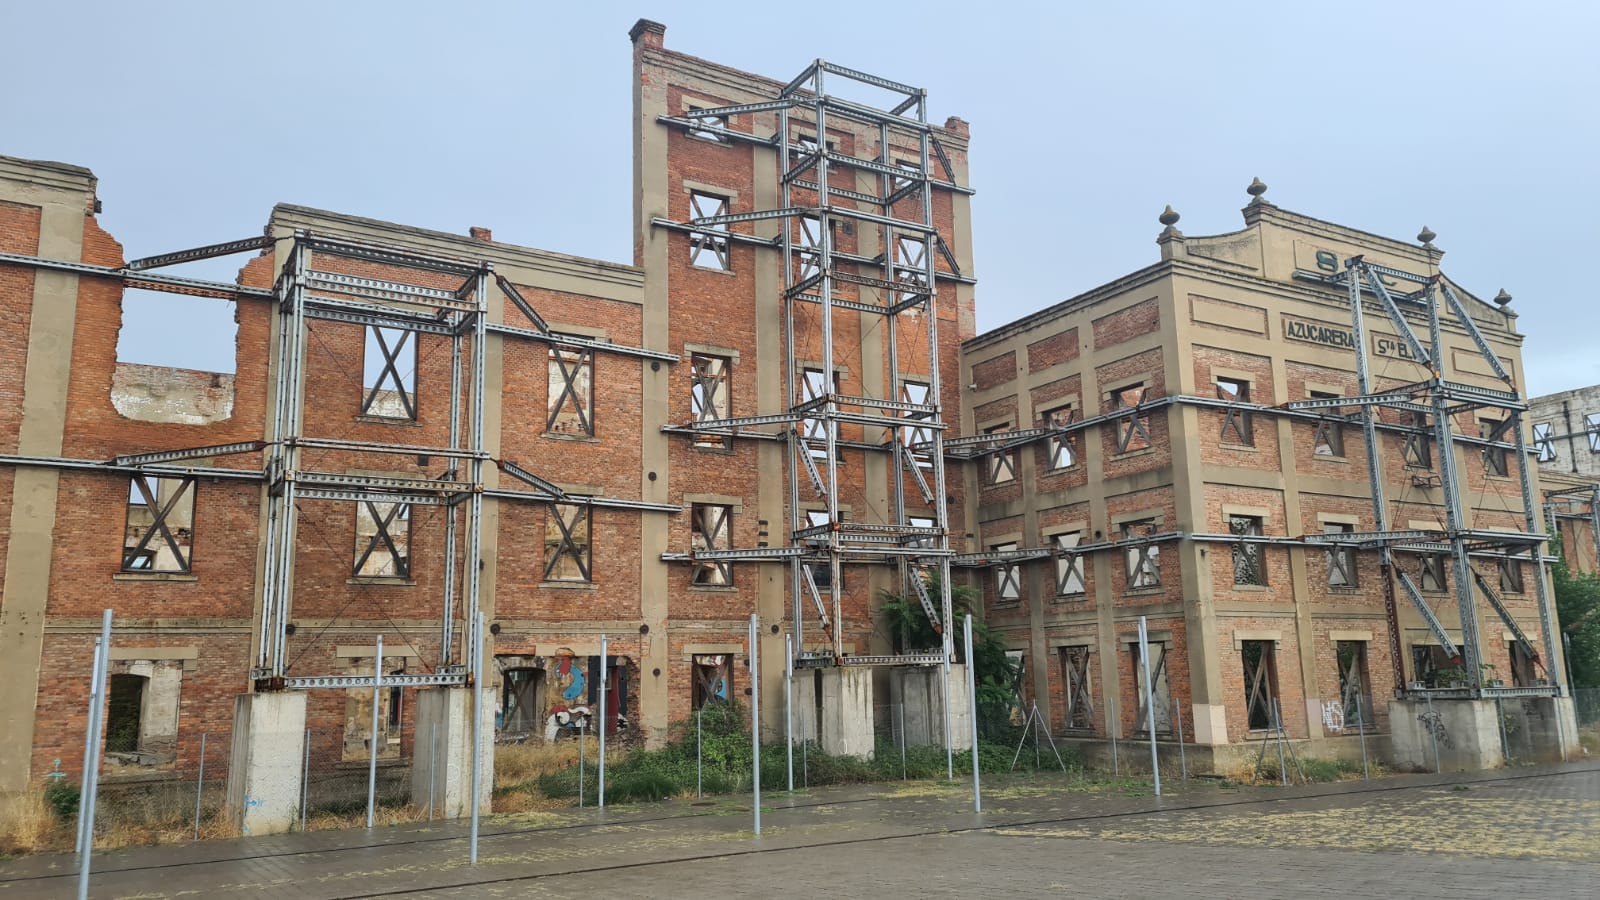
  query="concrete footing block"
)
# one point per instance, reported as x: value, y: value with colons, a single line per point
x: 269, y: 733
x: 846, y: 712
x: 441, y: 757
x: 915, y: 697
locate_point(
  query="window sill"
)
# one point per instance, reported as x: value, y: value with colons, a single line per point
x: 1071, y: 598
x: 1240, y: 448
x: 1252, y: 588
x: 711, y: 271
x: 713, y: 449
x: 387, y: 420
x: 387, y: 580
x: 1345, y: 590
x: 569, y: 585
x: 579, y: 438
x: 1153, y: 590
x: 1330, y: 457
x: 713, y: 589
x: 154, y: 576
x: 1142, y: 451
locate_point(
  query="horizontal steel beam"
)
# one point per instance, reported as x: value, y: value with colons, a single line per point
x: 161, y: 456
x: 313, y: 682
x: 209, y: 251
x: 567, y: 340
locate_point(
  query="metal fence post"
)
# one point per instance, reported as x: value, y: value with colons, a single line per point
x: 372, y: 742
x: 900, y: 713
x: 305, y: 781
x: 1277, y: 721
x: 1361, y: 723
x: 90, y: 790
x: 433, y: 763
x: 199, y: 785
x: 603, y: 715
x: 755, y: 715
x: 788, y: 706
x: 583, y: 738
x: 699, y: 715
x: 477, y: 733
x: 972, y: 709
x: 1149, y: 701
x: 1183, y: 755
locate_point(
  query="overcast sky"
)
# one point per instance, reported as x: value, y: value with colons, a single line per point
x: 1476, y: 119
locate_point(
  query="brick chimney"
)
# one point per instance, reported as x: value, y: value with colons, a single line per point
x: 646, y: 33
x: 482, y: 234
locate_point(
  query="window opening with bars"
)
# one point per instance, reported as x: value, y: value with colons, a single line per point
x: 158, y: 535
x: 383, y: 540
x: 1341, y: 557
x: 1069, y: 565
x: 713, y: 530
x: 711, y: 396
x: 813, y: 386
x: 389, y: 374
x: 910, y: 261
x: 1248, y: 568
x: 1000, y: 467
x: 708, y: 246
x: 1077, y: 684
x: 1144, y: 560
x: 1063, y: 454
x: 1162, y: 691
x: 1133, y: 428
x: 917, y: 436
x: 1007, y: 575
x: 1357, y: 703
x: 567, y: 550
x: 1328, y: 440
x: 1260, y: 681
x: 571, y: 405
x: 1417, y: 449
x: 1237, y: 424
x: 1544, y: 441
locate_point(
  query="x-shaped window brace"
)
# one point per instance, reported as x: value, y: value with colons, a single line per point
x: 711, y: 526
x: 1158, y: 672
x: 1351, y: 673
x: 708, y: 388
x: 1234, y: 418
x: 569, y: 388
x: 1260, y: 692
x: 402, y: 563
x: 160, y: 521
x: 391, y: 371
x: 1080, y: 702
x: 1133, y: 423
x: 568, y: 545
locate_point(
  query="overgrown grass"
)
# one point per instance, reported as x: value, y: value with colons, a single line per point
x: 1308, y: 770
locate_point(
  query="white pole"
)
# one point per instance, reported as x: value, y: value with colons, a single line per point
x: 372, y: 757
x: 972, y: 708
x: 199, y: 785
x: 1149, y: 701
x: 603, y: 716
x: 788, y: 704
x: 944, y: 705
x: 90, y: 789
x: 305, y: 780
x: 91, y: 716
x: 755, y: 715
x: 477, y: 730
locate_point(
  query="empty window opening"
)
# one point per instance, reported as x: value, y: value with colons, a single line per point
x: 383, y: 540
x: 1021, y: 695
x: 822, y: 571
x: 1341, y: 557
x: 358, y: 737
x: 1357, y: 703
x: 1007, y: 575
x: 1328, y: 440
x: 1544, y: 441
x: 1418, y: 447
x: 921, y: 541
x: 918, y: 439
x: 910, y: 266
x: 1069, y: 565
x: 711, y: 396
x: 159, y: 534
x: 713, y: 530
x: 566, y: 543
x: 708, y: 122
x: 708, y: 247
x: 1144, y: 559
x: 178, y: 332
x: 1494, y: 458
x: 1238, y: 425
x: 713, y: 679
x: 810, y: 251
x: 1163, y: 692
x: 814, y: 386
x: 911, y: 167
x: 1077, y: 686
x: 1248, y: 568
x: 1591, y: 425
x: 389, y: 373
x: 522, y: 700
x: 124, y: 709
x: 1432, y: 572
x: 1060, y: 445
x: 571, y: 403
x: 1432, y: 667
x: 1260, y: 683
x: 1133, y: 427
x: 1000, y: 466
x: 1510, y: 576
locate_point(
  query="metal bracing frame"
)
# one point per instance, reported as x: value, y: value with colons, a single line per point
x: 898, y: 284
x: 1440, y: 400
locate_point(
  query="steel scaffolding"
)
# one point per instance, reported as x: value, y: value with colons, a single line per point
x: 890, y: 195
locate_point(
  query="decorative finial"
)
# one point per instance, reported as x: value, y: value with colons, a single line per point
x: 1168, y: 216
x: 1256, y: 189
x: 1426, y: 236
x: 1502, y: 298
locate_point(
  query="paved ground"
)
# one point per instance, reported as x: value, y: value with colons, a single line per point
x: 1495, y: 834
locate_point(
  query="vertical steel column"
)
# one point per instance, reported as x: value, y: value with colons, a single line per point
x: 1369, y: 432
x: 477, y: 629
x: 791, y: 383
x: 372, y: 742
x: 447, y: 616
x: 1541, y: 586
x: 294, y: 398
x: 474, y: 556
x: 830, y: 405
x: 275, y: 466
x: 1449, y: 476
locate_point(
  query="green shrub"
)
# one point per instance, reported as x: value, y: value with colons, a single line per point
x: 62, y: 797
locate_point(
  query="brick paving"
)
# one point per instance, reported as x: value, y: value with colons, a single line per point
x: 1479, y: 835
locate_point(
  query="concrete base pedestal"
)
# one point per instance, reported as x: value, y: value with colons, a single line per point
x: 441, y: 767
x: 1541, y: 729
x: 1466, y: 734
x: 846, y: 712
x: 915, y: 698
x: 269, y: 734
x: 807, y: 689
